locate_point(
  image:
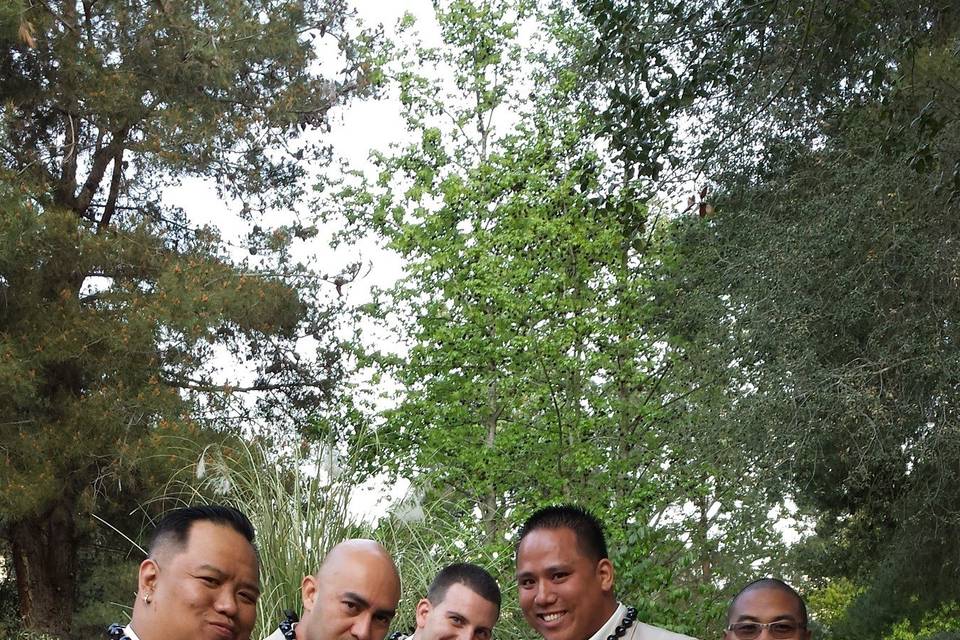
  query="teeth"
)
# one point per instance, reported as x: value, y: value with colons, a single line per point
x: 550, y: 617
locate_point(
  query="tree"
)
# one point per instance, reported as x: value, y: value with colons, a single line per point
x: 539, y: 367
x: 112, y: 308
x: 828, y: 262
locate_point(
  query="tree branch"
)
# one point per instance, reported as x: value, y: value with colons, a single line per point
x: 59, y: 17
x: 101, y: 158
x: 110, y: 207
x: 198, y: 385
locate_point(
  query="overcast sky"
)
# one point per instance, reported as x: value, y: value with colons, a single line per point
x: 356, y: 129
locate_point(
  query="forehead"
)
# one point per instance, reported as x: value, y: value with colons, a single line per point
x: 368, y: 575
x: 467, y: 602
x: 543, y: 547
x: 221, y: 547
x: 765, y: 604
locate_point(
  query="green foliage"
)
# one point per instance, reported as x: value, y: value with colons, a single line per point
x: 175, y: 88
x: 937, y: 624
x: 831, y: 267
x: 686, y: 87
x: 542, y: 367
x: 114, y: 311
x: 828, y: 605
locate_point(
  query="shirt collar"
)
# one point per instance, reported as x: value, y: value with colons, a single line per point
x: 130, y: 633
x: 611, y: 624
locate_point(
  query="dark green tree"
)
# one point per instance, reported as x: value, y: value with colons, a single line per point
x: 829, y: 263
x: 113, y: 309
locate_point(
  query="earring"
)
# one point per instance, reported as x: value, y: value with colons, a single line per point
x: 146, y: 598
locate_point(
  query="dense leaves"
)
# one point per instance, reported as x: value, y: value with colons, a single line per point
x: 115, y: 311
x: 542, y: 367
x: 831, y: 264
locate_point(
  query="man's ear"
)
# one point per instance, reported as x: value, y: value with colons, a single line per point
x: 147, y: 577
x: 308, y: 592
x: 606, y: 574
x: 423, y: 610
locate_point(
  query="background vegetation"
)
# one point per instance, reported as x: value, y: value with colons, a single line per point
x: 691, y: 263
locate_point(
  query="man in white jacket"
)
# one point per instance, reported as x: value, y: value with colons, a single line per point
x: 566, y: 581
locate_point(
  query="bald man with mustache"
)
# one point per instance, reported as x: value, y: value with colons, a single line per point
x: 352, y: 596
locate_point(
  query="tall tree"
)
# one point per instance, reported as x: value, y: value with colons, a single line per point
x: 112, y: 308
x: 827, y: 132
x: 539, y: 367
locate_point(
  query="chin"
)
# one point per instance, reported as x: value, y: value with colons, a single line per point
x: 554, y: 634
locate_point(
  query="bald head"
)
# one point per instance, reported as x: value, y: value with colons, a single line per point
x: 767, y: 603
x: 771, y: 584
x: 359, y: 550
x: 353, y: 595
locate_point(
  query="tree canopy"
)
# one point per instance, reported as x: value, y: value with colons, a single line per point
x: 113, y: 307
x: 690, y: 263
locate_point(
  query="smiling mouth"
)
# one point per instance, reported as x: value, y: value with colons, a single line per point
x: 551, y: 617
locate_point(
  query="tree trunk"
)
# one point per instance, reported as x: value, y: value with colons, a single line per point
x: 44, y: 559
x: 703, y: 539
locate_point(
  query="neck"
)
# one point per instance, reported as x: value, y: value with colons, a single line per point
x: 139, y: 626
x: 609, y: 609
x: 140, y: 620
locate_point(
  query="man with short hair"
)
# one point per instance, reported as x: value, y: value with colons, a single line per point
x: 769, y: 607
x: 200, y: 581
x: 352, y: 596
x: 566, y: 581
x: 462, y: 603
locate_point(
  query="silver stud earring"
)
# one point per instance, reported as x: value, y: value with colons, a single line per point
x: 146, y: 598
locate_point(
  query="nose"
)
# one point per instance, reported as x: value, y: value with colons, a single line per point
x: 361, y: 629
x: 544, y: 594
x: 226, y: 603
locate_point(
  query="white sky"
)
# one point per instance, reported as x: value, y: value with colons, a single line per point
x: 358, y: 128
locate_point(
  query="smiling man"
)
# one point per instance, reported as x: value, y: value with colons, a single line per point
x: 767, y: 607
x: 353, y: 596
x: 566, y: 581
x: 462, y: 603
x: 201, y: 579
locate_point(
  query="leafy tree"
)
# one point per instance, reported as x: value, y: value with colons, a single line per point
x: 691, y: 87
x: 825, y: 131
x: 541, y: 365
x: 830, y: 261
x: 113, y: 309
x: 941, y: 624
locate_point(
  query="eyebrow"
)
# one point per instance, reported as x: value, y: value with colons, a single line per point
x: 454, y: 612
x: 554, y: 567
x: 785, y: 616
x: 360, y: 600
